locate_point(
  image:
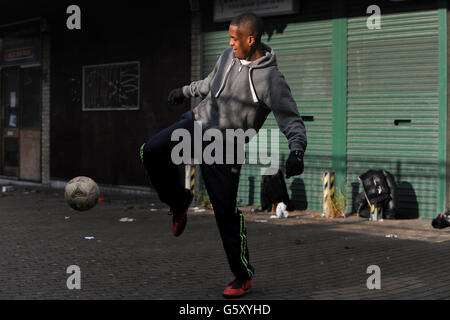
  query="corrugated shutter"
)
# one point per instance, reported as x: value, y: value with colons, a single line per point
x: 304, y: 54
x: 393, y: 105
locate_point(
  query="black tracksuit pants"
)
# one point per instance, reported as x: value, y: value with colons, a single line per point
x: 221, y: 181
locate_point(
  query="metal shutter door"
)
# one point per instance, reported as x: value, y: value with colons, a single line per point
x: 393, y: 75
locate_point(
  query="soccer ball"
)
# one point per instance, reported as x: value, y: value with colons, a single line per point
x: 81, y: 193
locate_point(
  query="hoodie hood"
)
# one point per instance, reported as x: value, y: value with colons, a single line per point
x: 267, y: 60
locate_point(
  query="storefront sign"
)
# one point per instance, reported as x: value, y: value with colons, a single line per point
x: 225, y: 10
x: 18, y: 54
x: 20, y: 44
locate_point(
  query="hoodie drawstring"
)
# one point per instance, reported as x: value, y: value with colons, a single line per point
x: 252, y: 89
x: 224, y: 79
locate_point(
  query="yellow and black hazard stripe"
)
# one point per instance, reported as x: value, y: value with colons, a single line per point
x: 328, y: 190
x: 192, y: 179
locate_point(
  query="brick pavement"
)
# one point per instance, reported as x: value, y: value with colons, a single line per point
x: 302, y: 257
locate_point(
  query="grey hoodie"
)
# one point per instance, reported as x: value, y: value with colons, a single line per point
x: 238, y: 96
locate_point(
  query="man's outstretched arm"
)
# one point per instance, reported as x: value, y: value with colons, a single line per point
x: 199, y: 88
x: 279, y: 99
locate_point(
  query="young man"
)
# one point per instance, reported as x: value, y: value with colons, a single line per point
x: 242, y: 89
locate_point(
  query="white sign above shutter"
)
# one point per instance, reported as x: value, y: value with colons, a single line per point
x: 227, y: 9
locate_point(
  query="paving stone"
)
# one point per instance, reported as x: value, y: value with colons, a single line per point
x: 302, y: 257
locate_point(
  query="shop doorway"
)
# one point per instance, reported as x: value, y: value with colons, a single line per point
x: 21, y: 123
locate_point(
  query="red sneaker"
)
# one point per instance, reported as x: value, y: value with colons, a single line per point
x: 179, y: 215
x: 237, y: 288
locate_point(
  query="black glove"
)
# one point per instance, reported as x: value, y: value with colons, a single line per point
x: 294, y: 164
x: 176, y: 96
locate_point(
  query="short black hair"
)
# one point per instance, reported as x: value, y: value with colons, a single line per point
x: 251, y: 21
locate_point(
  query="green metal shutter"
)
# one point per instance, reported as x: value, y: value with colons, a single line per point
x: 393, y: 78
x: 304, y: 54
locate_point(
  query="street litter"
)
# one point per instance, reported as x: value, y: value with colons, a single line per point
x: 89, y: 238
x: 66, y: 218
x: 7, y: 188
x: 391, y: 236
x: 126, y: 219
x: 200, y: 210
x: 281, y: 211
x: 153, y: 209
x: 195, y: 208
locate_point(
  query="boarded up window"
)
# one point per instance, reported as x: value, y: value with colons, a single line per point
x: 111, y: 87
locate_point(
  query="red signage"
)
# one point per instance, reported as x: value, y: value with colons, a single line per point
x: 18, y: 54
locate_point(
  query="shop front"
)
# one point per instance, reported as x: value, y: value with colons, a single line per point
x: 20, y: 100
